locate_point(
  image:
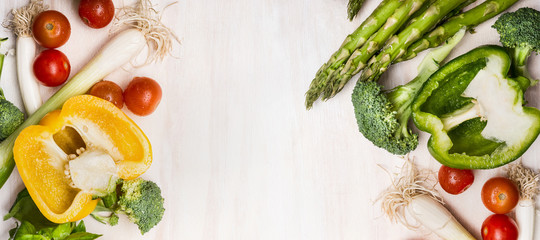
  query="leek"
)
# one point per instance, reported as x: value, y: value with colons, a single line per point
x: 407, y: 195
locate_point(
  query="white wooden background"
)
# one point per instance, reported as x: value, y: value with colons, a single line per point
x: 235, y: 152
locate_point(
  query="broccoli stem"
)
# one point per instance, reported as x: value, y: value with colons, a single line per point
x: 521, y: 55
x: 519, y: 61
x: 404, y: 95
x: 469, y: 19
x: 519, y: 68
x: 355, y: 40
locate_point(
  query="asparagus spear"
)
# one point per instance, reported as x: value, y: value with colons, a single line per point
x: 469, y: 19
x: 417, y: 14
x: 427, y: 4
x: 397, y: 45
x: 355, y: 40
x: 360, y: 56
x: 353, y: 8
x: 457, y: 10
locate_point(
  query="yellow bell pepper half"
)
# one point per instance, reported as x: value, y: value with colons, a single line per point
x: 44, y: 155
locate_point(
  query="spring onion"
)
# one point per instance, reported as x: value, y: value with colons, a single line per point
x: 144, y: 29
x: 21, y: 25
x: 408, y: 197
x: 527, y: 182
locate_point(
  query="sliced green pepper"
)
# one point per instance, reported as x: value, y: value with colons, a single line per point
x: 474, y: 112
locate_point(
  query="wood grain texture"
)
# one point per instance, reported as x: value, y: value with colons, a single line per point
x: 235, y: 152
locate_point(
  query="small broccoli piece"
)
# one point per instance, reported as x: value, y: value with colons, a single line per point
x: 140, y: 200
x: 520, y: 32
x: 10, y: 118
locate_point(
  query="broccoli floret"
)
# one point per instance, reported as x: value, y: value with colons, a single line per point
x: 10, y: 118
x: 383, y: 117
x: 140, y: 200
x: 520, y: 32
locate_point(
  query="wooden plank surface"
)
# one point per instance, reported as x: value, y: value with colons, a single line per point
x: 235, y: 152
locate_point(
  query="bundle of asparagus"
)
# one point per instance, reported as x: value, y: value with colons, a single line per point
x: 396, y: 30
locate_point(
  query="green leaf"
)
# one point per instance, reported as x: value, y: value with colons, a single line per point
x: 26, y: 228
x: 79, y: 228
x: 13, y: 231
x: 82, y: 236
x: 30, y: 237
x: 24, y: 209
x: 46, y: 232
x: 27, y: 231
x: 35, y: 226
x: 62, y: 231
x: 14, y: 209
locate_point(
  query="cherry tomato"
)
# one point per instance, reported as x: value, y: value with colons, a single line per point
x: 499, y: 227
x: 109, y: 91
x: 455, y: 181
x: 142, y: 95
x: 51, y: 29
x: 96, y: 13
x: 51, y: 68
x: 500, y: 195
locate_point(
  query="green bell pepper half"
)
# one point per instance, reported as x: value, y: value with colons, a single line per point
x: 464, y: 146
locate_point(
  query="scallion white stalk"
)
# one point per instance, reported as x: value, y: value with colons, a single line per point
x: 146, y: 30
x: 408, y: 197
x: 28, y: 84
x: 525, y: 214
x: 26, y: 52
x: 536, y: 225
x: 527, y: 181
x: 435, y: 217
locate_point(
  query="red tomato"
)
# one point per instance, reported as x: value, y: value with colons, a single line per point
x: 500, y: 195
x: 96, y: 13
x: 499, y: 227
x: 109, y: 91
x: 142, y: 95
x: 51, y: 68
x: 51, y: 29
x: 455, y: 181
